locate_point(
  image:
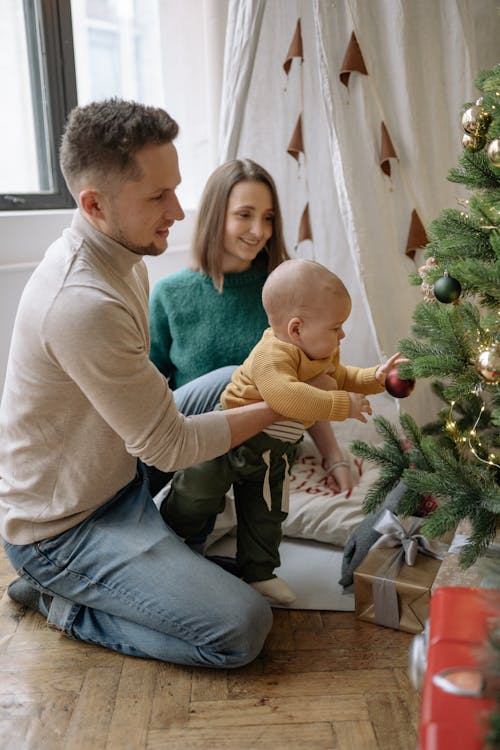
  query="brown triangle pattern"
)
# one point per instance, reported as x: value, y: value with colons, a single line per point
x: 295, y: 49
x: 387, y: 151
x: 417, y: 236
x: 353, y: 61
x: 296, y: 145
x: 305, y: 232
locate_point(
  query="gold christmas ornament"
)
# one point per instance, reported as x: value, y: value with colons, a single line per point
x: 473, y: 142
x: 488, y: 364
x: 476, y: 120
x: 494, y: 152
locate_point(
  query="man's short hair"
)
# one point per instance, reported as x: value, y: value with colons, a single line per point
x: 100, y: 139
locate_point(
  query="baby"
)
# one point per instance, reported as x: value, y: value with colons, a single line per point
x: 296, y: 369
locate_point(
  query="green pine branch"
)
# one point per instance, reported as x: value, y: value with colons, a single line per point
x: 475, y: 171
x: 390, y: 456
x: 463, y: 490
x: 484, y: 209
x: 430, y: 360
x: 447, y: 346
x: 455, y: 235
x: 495, y: 243
x: 482, y: 280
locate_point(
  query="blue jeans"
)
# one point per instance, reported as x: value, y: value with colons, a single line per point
x: 203, y: 394
x: 122, y: 579
x: 197, y: 397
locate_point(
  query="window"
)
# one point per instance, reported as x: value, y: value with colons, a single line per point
x: 38, y: 89
x: 55, y: 54
x: 117, y: 50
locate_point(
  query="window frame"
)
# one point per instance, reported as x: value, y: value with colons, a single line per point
x: 53, y: 77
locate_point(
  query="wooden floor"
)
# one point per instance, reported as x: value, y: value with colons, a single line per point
x: 324, y: 680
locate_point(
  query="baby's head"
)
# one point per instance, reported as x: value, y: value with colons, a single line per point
x: 307, y: 305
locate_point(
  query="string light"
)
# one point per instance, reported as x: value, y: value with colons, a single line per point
x: 490, y: 461
x: 457, y: 437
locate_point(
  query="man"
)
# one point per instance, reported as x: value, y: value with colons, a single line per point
x: 82, y: 402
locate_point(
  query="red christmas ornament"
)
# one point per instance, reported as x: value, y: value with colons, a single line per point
x: 396, y: 386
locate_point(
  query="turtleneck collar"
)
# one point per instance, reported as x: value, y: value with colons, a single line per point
x: 122, y: 259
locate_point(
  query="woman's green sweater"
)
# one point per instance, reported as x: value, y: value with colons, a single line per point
x: 196, y: 329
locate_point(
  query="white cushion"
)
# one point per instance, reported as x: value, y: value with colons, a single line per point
x: 315, y: 512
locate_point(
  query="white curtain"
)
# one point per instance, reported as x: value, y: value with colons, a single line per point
x: 421, y: 57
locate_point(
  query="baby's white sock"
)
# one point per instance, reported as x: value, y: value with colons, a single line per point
x: 275, y: 589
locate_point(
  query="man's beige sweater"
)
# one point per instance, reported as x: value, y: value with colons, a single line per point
x: 82, y: 400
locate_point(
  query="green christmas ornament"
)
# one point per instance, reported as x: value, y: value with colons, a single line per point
x: 494, y: 152
x: 476, y: 120
x: 447, y: 289
x: 473, y: 142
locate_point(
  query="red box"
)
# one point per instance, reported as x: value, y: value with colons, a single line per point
x: 459, y: 622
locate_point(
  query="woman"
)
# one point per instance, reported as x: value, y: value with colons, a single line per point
x: 210, y: 315
x: 205, y: 320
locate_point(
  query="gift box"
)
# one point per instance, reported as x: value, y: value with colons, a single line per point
x: 392, y: 586
x: 457, y: 700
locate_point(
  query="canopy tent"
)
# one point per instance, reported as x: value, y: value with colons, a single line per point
x: 354, y: 107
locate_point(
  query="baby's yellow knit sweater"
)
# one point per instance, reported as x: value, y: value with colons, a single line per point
x: 275, y: 372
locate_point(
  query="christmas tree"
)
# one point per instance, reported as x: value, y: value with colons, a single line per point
x: 456, y: 329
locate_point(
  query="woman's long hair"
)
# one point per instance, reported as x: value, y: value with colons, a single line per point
x: 208, y: 239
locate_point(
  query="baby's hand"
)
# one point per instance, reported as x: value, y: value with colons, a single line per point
x: 340, y: 479
x: 393, y: 361
x: 358, y: 406
x: 338, y: 473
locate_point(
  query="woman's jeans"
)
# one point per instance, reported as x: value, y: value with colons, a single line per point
x: 122, y: 579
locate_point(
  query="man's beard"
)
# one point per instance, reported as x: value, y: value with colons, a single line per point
x: 137, y: 249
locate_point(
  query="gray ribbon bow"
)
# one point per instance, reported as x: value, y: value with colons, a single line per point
x: 404, y: 535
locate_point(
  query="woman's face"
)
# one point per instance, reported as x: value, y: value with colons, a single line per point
x: 248, y: 225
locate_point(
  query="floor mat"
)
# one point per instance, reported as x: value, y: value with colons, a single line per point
x: 310, y: 568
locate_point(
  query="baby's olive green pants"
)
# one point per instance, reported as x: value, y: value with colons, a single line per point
x: 258, y: 470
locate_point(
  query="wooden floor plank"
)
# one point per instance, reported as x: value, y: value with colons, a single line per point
x: 412, y: 696
x: 132, y: 706
x: 270, y: 737
x: 281, y: 636
x: 209, y: 684
x: 172, y: 693
x: 391, y: 721
x: 356, y: 735
x: 312, y: 683
x: 31, y: 684
x: 333, y: 660
x: 12, y: 735
x: 358, y: 635
x: 310, y: 619
x: 288, y: 710
x: 93, y: 712
x: 50, y: 722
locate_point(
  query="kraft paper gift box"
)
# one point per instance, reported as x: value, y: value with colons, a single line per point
x: 387, y: 590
